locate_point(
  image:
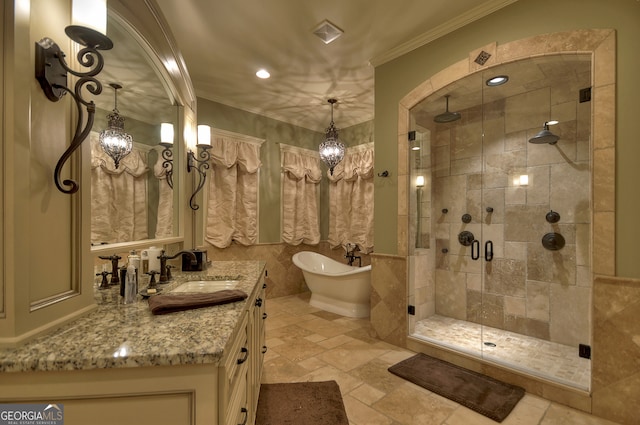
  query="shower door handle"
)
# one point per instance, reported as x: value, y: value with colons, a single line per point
x: 475, y: 249
x: 488, y: 250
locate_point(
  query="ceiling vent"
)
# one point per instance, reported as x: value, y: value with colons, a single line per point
x: 327, y: 32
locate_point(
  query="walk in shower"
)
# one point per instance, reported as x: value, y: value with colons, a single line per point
x: 500, y: 217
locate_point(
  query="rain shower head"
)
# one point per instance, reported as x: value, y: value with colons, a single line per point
x: 544, y: 136
x: 447, y: 116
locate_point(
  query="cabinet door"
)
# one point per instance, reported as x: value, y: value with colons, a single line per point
x: 233, y: 371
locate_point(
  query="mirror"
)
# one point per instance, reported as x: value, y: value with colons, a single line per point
x: 134, y: 202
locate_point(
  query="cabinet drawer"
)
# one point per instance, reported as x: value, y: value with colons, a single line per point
x: 235, y: 363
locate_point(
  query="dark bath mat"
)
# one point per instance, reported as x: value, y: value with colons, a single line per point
x: 487, y: 396
x: 301, y: 403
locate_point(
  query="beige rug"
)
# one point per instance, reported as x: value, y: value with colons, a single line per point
x: 301, y: 403
x: 483, y: 394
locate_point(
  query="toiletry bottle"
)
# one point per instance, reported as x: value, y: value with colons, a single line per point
x: 131, y: 287
x: 123, y: 280
x: 144, y: 258
x: 154, y: 261
x: 134, y: 259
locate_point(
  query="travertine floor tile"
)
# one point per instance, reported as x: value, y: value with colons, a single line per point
x: 408, y: 406
x: 562, y: 415
x: 361, y: 414
x: 328, y: 373
x: 367, y: 394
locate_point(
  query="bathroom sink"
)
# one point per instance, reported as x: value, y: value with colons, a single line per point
x: 204, y: 286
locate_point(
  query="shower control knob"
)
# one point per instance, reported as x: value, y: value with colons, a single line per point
x: 445, y: 250
x: 552, y: 217
x: 466, y: 238
x: 466, y: 218
x: 444, y: 211
x: 489, y: 209
x: 553, y: 241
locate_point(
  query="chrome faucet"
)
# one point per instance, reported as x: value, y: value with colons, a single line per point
x: 351, y: 254
x: 164, y: 275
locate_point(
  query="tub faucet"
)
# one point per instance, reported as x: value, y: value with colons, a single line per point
x: 351, y: 256
x: 164, y: 275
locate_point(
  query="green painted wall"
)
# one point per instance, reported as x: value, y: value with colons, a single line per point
x: 522, y: 19
x: 273, y: 131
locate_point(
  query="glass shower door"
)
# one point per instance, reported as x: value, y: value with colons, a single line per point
x: 535, y: 207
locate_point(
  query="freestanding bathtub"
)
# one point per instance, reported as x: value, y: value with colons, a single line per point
x: 334, y: 286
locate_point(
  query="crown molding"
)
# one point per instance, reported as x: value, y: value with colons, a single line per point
x: 441, y: 30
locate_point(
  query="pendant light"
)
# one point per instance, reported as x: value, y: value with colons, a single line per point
x: 114, y: 140
x: 331, y: 150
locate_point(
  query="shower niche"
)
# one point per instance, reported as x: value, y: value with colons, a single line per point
x: 499, y: 217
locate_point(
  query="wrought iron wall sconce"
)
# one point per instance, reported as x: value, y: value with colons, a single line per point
x: 51, y: 72
x: 202, y: 164
x: 166, y: 141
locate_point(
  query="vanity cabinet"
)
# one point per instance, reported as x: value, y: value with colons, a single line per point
x: 197, y: 367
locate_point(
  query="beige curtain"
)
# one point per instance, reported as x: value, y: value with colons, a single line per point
x: 118, y: 196
x: 351, y: 199
x: 300, y: 183
x: 164, y: 225
x: 232, y: 207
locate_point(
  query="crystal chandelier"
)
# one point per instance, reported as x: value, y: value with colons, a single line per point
x: 331, y: 150
x: 114, y: 140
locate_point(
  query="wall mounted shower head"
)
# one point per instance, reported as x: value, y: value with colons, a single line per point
x: 544, y: 136
x: 447, y: 116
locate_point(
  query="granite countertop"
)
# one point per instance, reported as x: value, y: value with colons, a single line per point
x: 117, y: 335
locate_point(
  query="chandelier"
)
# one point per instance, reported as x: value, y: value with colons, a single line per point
x: 331, y: 150
x: 114, y: 140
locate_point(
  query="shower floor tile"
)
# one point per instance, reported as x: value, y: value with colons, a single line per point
x: 546, y: 359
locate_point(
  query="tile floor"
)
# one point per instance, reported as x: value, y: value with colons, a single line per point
x: 308, y: 344
x: 546, y: 359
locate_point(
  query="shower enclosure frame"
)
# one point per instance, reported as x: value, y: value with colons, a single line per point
x: 601, y: 45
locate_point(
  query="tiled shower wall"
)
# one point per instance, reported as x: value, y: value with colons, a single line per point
x: 527, y: 288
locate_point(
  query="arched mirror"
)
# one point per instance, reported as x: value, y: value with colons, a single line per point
x: 137, y: 201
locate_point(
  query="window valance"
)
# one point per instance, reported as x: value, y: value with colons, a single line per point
x: 301, y: 163
x: 228, y: 151
x: 358, y: 162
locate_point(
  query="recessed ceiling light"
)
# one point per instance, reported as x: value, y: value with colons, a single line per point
x: 498, y: 80
x: 263, y: 73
